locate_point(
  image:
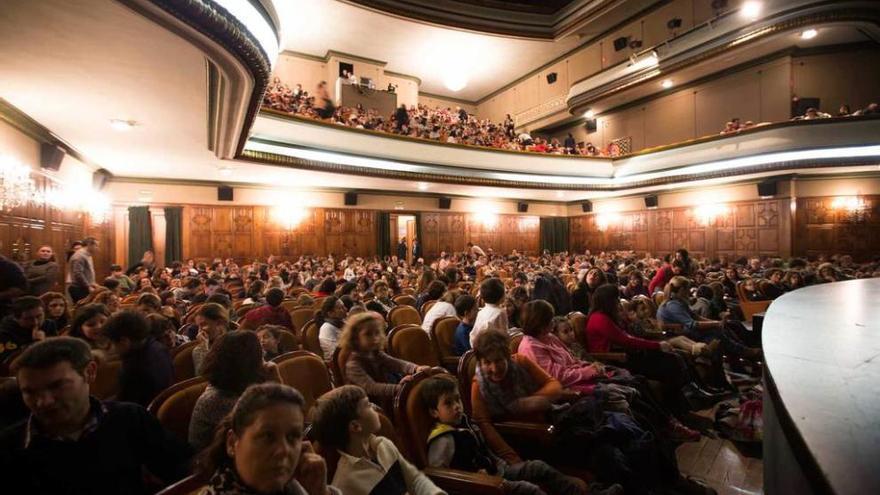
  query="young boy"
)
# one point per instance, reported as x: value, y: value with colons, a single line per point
x: 345, y: 420
x: 492, y: 317
x: 466, y: 309
x: 458, y: 444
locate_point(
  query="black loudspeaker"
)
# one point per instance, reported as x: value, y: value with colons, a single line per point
x: 522, y: 207
x: 444, y: 203
x: 551, y: 78
x: 767, y: 188
x: 224, y: 193
x: 674, y: 23
x: 51, y: 156
x: 100, y: 178
x: 592, y: 125
x: 651, y: 201
x: 621, y: 43
x: 587, y: 206
x: 351, y: 199
x: 635, y: 44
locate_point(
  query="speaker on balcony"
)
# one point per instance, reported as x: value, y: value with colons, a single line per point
x: 674, y: 23
x: 551, y: 78
x: 651, y: 201
x: 51, y: 156
x: 635, y: 44
x: 621, y: 43
x: 224, y: 193
x: 100, y: 178
x: 522, y: 207
x: 587, y: 206
x: 444, y: 203
x: 767, y: 188
x: 351, y: 199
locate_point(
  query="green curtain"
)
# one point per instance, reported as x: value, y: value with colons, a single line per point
x: 173, y: 234
x: 554, y: 234
x: 140, y: 233
x: 383, y: 234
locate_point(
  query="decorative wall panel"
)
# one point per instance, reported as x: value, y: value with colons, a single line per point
x: 451, y: 232
x: 825, y: 225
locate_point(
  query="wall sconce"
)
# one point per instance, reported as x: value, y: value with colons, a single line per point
x: 853, y: 208
x: 606, y: 220
x: 16, y: 186
x: 487, y: 218
x: 706, y: 214
x: 288, y: 215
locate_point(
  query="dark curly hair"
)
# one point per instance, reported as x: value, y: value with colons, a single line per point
x: 235, y: 361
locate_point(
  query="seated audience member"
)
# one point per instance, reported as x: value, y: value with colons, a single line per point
x: 147, y: 368
x: 162, y: 329
x: 794, y: 279
x: 26, y: 325
x: 73, y: 443
x: 107, y: 298
x: 254, y: 293
x: 212, y: 321
x: 368, y: 366
x: 13, y: 283
x: 491, y: 317
x: 272, y: 313
x: 562, y: 329
x: 148, y: 304
x: 270, y: 341
x: 703, y: 305
x: 326, y: 288
x: 381, y: 302
x: 88, y: 325
x: 587, y: 284
x: 330, y: 320
x: 434, y: 292
x: 42, y: 273
x: 234, y: 363
x: 259, y: 450
x: 126, y: 285
x: 466, y: 309
x: 56, y: 309
x: 775, y: 287
x: 635, y: 286
x: 346, y: 421
x: 514, y: 303
x: 455, y: 442
x: 443, y: 307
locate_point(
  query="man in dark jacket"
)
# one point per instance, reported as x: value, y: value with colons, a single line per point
x: 401, y: 249
x: 26, y: 325
x: 74, y: 443
x: 147, y: 368
x: 42, y: 273
x: 12, y: 283
x: 401, y: 118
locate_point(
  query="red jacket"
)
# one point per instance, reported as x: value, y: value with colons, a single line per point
x: 268, y: 315
x: 602, y: 332
x: 661, y: 278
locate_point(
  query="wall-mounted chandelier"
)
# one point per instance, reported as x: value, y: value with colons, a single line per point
x: 16, y: 186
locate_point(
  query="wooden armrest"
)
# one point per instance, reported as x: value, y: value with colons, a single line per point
x: 608, y: 357
x: 450, y: 363
x: 456, y: 481
x: 540, y: 432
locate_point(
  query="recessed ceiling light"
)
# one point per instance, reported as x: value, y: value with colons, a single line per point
x: 589, y: 115
x: 122, y: 125
x: 455, y: 82
x: 809, y: 34
x: 667, y: 83
x: 423, y: 186
x: 751, y: 9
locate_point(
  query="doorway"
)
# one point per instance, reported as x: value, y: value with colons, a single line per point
x: 403, y: 231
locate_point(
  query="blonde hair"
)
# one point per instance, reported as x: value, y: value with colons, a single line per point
x: 675, y: 284
x: 348, y: 340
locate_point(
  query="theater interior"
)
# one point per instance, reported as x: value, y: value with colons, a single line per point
x: 399, y: 157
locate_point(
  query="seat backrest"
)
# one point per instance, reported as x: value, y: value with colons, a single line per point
x: 578, y: 322
x: 289, y: 305
x: 309, y: 338
x: 467, y: 369
x: 173, y: 407
x: 331, y: 456
x: 443, y: 336
x: 190, y: 315
x: 106, y: 383
x: 338, y: 363
x: 659, y: 298
x: 288, y: 341
x: 184, y: 367
x: 411, y: 343
x: 413, y: 421
x: 513, y: 343
x: 400, y: 315
x: 301, y: 316
x: 306, y: 372
x: 405, y: 300
x: 427, y: 307
x: 318, y: 302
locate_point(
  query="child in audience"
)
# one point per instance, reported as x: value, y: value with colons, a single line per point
x: 346, y: 421
x: 270, y: 341
x: 642, y: 323
x: 368, y: 366
x: 563, y: 330
x: 456, y: 443
x: 492, y: 317
x: 466, y: 309
x: 212, y: 321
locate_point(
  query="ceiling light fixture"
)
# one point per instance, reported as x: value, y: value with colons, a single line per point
x: 122, y: 124
x: 455, y: 82
x: 751, y: 9
x: 809, y: 34
x: 667, y: 83
x: 423, y: 186
x: 590, y: 115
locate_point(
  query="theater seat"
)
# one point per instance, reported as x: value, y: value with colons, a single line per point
x: 401, y: 315
x: 299, y: 317
x: 578, y: 322
x: 749, y: 308
x: 405, y: 300
x: 338, y: 363
x: 173, y: 407
x: 184, y: 368
x: 106, y: 383
x: 289, y: 305
x: 514, y: 343
x: 306, y: 372
x: 415, y: 424
x: 443, y: 340
x: 191, y: 485
x: 426, y: 307
x: 309, y: 338
x: 411, y: 343
x: 288, y: 341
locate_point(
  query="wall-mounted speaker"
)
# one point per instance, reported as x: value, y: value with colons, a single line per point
x: 592, y: 125
x: 224, y: 193
x: 444, y: 203
x: 651, y: 201
x: 351, y: 199
x: 767, y: 188
x: 100, y: 178
x: 587, y: 206
x: 551, y: 78
x: 621, y: 43
x: 51, y: 156
x: 674, y: 23
x: 522, y: 207
x: 635, y: 44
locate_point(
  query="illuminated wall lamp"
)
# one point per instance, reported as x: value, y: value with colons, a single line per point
x: 707, y: 214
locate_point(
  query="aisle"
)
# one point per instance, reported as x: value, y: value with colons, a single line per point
x: 723, y: 466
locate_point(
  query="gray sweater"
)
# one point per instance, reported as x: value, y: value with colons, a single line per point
x: 41, y: 276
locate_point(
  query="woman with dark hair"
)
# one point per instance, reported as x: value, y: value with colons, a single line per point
x: 435, y: 290
x: 87, y: 323
x: 326, y: 288
x: 381, y: 302
x: 56, y: 309
x: 794, y: 279
x: 330, y: 319
x: 234, y: 363
x: 591, y: 280
x: 258, y: 448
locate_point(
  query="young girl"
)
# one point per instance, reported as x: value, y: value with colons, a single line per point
x: 563, y: 330
x: 368, y: 366
x: 87, y: 325
x: 642, y: 323
x: 56, y: 308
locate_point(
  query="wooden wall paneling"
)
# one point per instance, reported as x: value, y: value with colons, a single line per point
x: 243, y: 233
x: 822, y: 229
x: 430, y: 234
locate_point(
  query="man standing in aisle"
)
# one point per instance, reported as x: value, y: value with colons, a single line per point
x: 82, y: 270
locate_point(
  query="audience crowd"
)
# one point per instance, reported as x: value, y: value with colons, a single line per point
x: 566, y: 339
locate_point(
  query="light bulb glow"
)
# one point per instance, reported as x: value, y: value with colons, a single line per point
x: 809, y: 34
x: 751, y: 9
x: 707, y: 213
x: 667, y: 83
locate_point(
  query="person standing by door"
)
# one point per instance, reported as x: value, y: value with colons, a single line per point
x: 82, y: 270
x: 416, y: 249
x: 401, y: 249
